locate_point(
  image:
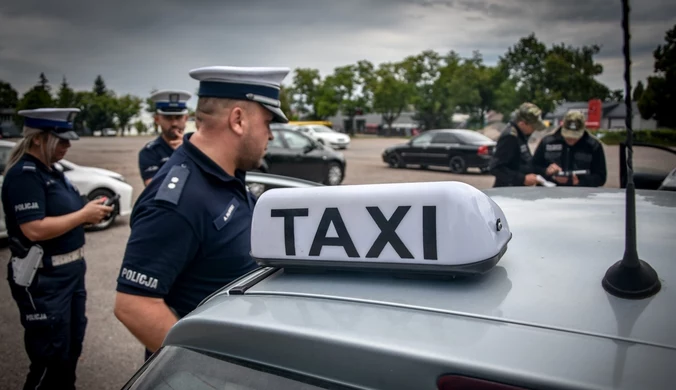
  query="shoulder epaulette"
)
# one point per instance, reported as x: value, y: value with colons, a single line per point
x: 173, y: 184
x: 29, y: 166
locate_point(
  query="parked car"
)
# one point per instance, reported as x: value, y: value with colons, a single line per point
x: 457, y: 149
x: 325, y: 135
x: 647, y: 178
x: 92, y: 183
x: 294, y: 154
x: 512, y: 295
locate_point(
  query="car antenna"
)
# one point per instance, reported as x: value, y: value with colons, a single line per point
x: 631, y: 277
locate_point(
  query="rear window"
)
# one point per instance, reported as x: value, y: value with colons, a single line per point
x: 472, y: 137
x: 181, y: 368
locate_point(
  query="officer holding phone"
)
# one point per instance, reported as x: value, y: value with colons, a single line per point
x: 45, y: 215
x: 571, y: 156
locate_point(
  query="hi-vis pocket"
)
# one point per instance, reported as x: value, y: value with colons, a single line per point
x: 227, y: 215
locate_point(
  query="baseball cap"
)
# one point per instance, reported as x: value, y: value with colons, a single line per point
x: 573, y: 125
x: 531, y: 114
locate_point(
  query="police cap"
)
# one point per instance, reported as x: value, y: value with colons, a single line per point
x: 258, y: 84
x: 58, y: 121
x: 171, y: 102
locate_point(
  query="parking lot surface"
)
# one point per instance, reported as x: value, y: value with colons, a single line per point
x: 111, y: 354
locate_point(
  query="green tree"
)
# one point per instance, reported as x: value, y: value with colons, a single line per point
x: 124, y: 109
x: 313, y: 98
x: 391, y: 92
x: 37, y: 97
x: 638, y: 92
x: 100, y: 86
x: 141, y: 127
x: 9, y: 98
x: 66, y: 96
x: 659, y: 98
x: 350, y: 83
x: 285, y: 101
x: 150, y: 108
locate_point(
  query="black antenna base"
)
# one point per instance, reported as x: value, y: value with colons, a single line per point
x: 636, y: 281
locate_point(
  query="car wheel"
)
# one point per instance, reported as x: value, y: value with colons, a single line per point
x: 107, y: 221
x: 335, y: 175
x: 458, y: 165
x: 394, y: 161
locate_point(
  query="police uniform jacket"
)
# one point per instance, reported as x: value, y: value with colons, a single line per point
x: 586, y: 154
x: 31, y: 192
x: 190, y: 232
x: 512, y: 160
x: 153, y: 156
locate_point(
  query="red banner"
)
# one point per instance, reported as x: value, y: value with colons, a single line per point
x: 594, y: 114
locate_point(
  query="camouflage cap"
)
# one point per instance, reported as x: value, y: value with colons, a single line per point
x: 531, y: 114
x: 573, y: 125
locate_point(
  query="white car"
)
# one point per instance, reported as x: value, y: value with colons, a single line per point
x: 91, y: 182
x: 325, y: 135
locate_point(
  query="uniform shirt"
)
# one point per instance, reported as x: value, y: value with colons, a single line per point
x: 190, y: 232
x: 153, y: 156
x: 586, y: 154
x: 31, y: 192
x: 512, y: 160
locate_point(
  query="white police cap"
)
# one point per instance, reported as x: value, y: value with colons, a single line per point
x: 171, y: 102
x: 58, y: 121
x: 258, y: 84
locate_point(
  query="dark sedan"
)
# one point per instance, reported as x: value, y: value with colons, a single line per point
x: 453, y: 148
x: 294, y: 154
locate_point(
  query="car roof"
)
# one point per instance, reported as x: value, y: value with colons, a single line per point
x: 541, y: 314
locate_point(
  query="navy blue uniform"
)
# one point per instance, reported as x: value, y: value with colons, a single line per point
x: 153, y: 156
x: 190, y: 232
x: 512, y: 159
x: 52, y: 308
x: 586, y: 154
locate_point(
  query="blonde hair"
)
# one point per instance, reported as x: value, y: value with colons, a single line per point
x: 24, y: 146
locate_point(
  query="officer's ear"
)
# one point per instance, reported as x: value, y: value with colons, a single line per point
x: 236, y: 118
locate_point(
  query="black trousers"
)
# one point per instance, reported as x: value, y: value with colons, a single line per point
x: 52, y: 311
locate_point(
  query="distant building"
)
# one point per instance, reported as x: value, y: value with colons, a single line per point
x: 374, y: 123
x: 613, y: 115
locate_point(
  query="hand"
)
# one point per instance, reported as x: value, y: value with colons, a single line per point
x: 552, y: 169
x: 95, y: 211
x: 576, y: 181
x: 531, y: 179
x: 561, y: 179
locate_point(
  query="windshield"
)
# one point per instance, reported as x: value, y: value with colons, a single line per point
x: 322, y: 129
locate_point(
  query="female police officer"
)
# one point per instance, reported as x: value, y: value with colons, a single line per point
x: 44, y: 210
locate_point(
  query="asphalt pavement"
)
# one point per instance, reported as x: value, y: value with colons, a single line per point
x: 111, y: 354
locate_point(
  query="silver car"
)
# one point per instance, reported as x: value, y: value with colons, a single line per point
x: 539, y: 318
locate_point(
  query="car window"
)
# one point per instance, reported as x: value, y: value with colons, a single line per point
x: 472, y: 137
x: 181, y: 368
x: 322, y: 129
x: 296, y: 141
x: 444, y: 138
x: 276, y: 141
x: 4, y: 154
x: 422, y: 139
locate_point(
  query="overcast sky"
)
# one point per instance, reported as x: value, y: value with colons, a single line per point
x: 138, y: 45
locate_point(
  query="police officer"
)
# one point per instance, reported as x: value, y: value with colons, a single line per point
x: 171, y: 116
x: 572, y: 148
x: 190, y: 228
x: 511, y: 163
x: 44, y: 210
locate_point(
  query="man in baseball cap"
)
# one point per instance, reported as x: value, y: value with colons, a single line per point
x: 571, y: 156
x: 511, y: 164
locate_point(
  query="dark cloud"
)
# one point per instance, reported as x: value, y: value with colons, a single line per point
x: 138, y: 45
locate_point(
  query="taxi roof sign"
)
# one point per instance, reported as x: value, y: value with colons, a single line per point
x: 438, y: 227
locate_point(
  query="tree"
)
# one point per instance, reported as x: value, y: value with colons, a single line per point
x: 391, y: 92
x: 312, y: 97
x: 285, y: 101
x: 150, y: 108
x: 659, y: 98
x: 36, y: 97
x: 9, y: 98
x: 66, y: 96
x: 638, y: 91
x: 350, y: 84
x: 125, y: 108
x: 100, y: 86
